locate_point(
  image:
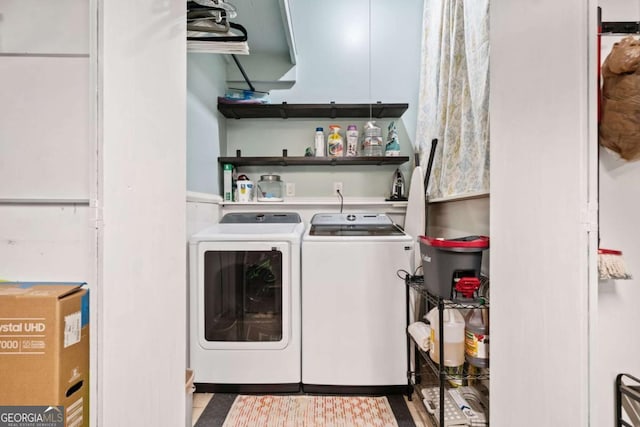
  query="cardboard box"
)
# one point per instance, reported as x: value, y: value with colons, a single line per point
x: 44, y: 354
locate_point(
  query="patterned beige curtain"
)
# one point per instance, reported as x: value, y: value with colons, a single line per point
x: 454, y: 96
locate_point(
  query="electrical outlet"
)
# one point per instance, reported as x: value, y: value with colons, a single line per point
x: 291, y: 189
x: 337, y: 187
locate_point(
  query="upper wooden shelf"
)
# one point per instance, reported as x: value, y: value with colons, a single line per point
x: 332, y: 110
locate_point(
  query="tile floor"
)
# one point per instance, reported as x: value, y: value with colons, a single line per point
x: 200, y: 401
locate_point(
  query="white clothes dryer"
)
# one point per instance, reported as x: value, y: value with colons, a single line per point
x: 354, y: 304
x: 245, y: 321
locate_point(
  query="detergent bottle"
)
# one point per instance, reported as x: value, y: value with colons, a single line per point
x: 477, y: 337
x: 453, y: 331
x: 335, y: 143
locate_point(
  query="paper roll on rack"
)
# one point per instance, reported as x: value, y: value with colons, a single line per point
x: 421, y: 334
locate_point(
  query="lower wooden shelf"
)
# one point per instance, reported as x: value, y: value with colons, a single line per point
x: 313, y: 161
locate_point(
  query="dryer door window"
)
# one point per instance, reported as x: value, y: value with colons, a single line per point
x: 244, y: 292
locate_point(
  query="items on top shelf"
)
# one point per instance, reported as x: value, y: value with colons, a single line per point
x: 372, y: 144
x: 335, y: 142
x: 392, y: 147
x: 352, y: 141
x: 319, y: 149
x: 244, y: 96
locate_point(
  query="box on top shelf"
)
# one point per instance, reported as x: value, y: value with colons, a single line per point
x: 44, y: 353
x: 444, y: 261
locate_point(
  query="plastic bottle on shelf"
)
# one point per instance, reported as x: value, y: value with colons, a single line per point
x: 454, y: 338
x: 392, y: 148
x: 335, y: 143
x: 372, y: 143
x: 476, y: 344
x: 319, y: 143
x: 352, y: 140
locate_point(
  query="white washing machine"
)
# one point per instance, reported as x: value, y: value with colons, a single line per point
x: 354, y: 304
x: 245, y: 303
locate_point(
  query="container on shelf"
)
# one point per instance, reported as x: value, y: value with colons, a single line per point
x: 245, y: 191
x: 319, y: 145
x: 269, y: 188
x: 476, y: 344
x: 335, y: 143
x: 242, y: 189
x: 453, y: 330
x: 392, y: 148
x: 372, y: 144
x: 444, y: 261
x: 352, y: 140
x: 228, y: 182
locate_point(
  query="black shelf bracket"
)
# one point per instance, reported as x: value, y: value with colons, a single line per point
x: 283, y: 111
x: 244, y: 74
x: 235, y: 115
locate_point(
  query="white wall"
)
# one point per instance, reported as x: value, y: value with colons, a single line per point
x: 47, y: 227
x: 205, y: 126
x: 62, y: 27
x: 334, y: 54
x: 460, y: 218
x: 142, y: 134
x: 616, y: 350
x: 540, y: 269
x: 44, y: 126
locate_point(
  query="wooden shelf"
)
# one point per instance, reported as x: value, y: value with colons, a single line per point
x: 332, y: 110
x: 313, y: 161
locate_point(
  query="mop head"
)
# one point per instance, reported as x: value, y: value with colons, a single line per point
x: 611, y: 265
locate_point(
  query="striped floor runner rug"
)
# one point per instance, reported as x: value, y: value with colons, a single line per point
x: 294, y: 411
x: 304, y: 410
